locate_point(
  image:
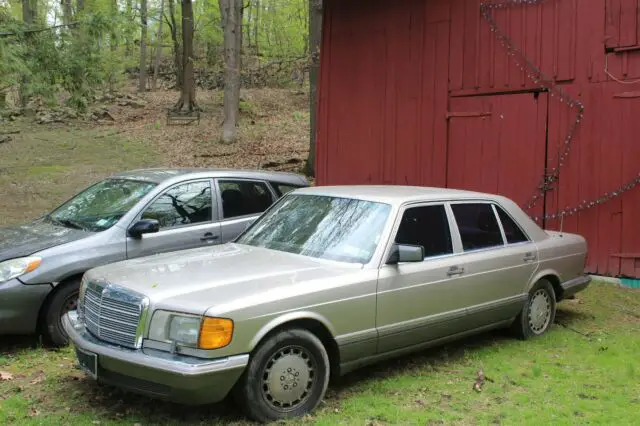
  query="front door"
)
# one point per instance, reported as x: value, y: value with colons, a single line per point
x: 187, y: 220
x: 242, y: 201
x: 422, y: 301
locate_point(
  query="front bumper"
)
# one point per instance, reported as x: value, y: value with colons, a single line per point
x: 156, y: 373
x: 576, y: 285
x: 20, y: 305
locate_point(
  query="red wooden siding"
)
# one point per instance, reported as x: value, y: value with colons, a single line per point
x: 422, y: 92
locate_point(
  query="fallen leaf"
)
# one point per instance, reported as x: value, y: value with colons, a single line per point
x: 37, y: 378
x: 420, y: 402
x: 33, y: 412
x: 5, y: 376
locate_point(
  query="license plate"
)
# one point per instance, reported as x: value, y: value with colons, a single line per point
x: 88, y: 362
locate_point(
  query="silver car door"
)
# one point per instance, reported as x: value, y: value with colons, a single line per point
x: 241, y: 202
x: 499, y: 264
x: 187, y: 219
x: 419, y: 302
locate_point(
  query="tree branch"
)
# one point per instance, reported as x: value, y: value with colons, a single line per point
x: 39, y: 30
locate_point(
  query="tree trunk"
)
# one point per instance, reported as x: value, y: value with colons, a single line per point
x: 156, y: 64
x: 29, y: 13
x: 315, y: 38
x: 231, y: 11
x: 129, y: 42
x: 177, y: 50
x: 255, y: 29
x: 113, y: 42
x: 187, y: 101
x: 67, y: 11
x: 142, y: 82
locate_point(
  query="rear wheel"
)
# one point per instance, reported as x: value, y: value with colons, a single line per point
x: 63, y: 299
x: 539, y: 312
x: 286, y: 377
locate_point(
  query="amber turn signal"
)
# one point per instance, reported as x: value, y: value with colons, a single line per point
x: 215, y: 333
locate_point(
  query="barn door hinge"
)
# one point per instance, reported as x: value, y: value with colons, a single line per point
x: 467, y: 114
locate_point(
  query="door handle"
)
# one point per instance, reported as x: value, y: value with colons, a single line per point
x: 529, y: 257
x: 209, y: 237
x: 455, y: 270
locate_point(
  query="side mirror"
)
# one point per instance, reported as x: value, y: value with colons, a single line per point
x: 144, y: 226
x: 405, y: 253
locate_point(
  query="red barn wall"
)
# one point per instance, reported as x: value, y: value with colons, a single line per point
x: 421, y: 92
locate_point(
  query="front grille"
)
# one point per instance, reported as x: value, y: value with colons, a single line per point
x: 114, y: 314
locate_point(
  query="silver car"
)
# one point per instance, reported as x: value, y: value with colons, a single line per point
x: 327, y: 280
x: 132, y: 214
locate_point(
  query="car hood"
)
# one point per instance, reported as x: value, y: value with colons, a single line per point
x: 222, y: 276
x: 30, y: 238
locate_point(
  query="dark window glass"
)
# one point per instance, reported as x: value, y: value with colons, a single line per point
x: 478, y: 226
x: 241, y: 198
x: 282, y: 189
x: 184, y: 204
x: 427, y: 227
x: 511, y: 230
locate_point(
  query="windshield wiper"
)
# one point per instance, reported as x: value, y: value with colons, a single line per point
x: 67, y: 223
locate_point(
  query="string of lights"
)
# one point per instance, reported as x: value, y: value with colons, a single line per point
x: 535, y: 74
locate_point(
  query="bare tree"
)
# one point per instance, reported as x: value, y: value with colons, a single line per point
x: 29, y: 15
x: 177, y: 50
x: 156, y: 64
x: 142, y: 83
x: 231, y: 12
x: 315, y: 38
x: 187, y: 101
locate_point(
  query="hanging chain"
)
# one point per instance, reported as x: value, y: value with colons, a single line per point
x: 534, y: 73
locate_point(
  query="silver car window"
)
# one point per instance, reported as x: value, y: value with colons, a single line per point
x: 184, y: 204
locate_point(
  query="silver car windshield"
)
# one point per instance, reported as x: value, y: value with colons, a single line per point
x: 340, y: 229
x: 100, y: 206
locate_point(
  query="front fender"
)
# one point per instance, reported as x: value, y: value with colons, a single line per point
x: 288, y: 318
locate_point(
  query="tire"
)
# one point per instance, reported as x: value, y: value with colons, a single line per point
x: 271, y: 387
x: 538, y: 313
x: 63, y: 299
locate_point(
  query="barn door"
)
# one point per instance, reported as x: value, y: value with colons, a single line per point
x: 497, y: 144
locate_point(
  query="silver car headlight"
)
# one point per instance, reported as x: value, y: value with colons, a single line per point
x: 195, y: 331
x: 17, y: 267
x: 173, y: 327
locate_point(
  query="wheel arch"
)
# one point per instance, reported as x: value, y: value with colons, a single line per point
x: 554, y: 279
x: 54, y: 290
x: 310, y: 321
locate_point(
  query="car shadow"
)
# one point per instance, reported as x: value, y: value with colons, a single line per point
x: 116, y: 404
x: 12, y: 344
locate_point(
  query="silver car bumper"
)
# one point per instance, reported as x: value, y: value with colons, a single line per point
x: 571, y: 287
x: 154, y: 373
x: 20, y: 305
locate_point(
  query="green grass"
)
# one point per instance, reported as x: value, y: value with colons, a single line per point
x: 45, y: 165
x: 584, y: 371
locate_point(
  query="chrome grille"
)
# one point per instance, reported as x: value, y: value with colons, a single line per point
x: 114, y: 314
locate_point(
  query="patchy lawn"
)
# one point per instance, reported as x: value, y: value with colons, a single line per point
x: 584, y: 371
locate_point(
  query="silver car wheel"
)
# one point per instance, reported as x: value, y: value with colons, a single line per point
x: 288, y: 378
x: 539, y: 311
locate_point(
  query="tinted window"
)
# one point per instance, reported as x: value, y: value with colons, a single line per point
x: 511, y: 230
x: 241, y: 198
x: 282, y: 189
x: 478, y: 226
x: 427, y: 227
x: 184, y: 204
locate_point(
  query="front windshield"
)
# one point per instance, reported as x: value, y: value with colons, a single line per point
x: 341, y: 229
x: 100, y: 206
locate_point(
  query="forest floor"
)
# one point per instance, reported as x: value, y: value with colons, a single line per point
x: 584, y: 371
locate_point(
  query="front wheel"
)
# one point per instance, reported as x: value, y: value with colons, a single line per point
x: 63, y: 300
x: 286, y: 377
x: 539, y: 312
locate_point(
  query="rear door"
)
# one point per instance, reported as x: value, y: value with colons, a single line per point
x: 499, y: 261
x: 187, y: 216
x: 240, y: 203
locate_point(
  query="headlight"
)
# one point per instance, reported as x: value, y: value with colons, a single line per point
x: 191, y: 330
x: 16, y: 267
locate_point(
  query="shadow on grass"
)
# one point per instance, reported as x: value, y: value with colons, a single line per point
x: 13, y: 344
x: 109, y: 402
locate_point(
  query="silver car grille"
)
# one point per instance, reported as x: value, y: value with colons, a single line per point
x: 114, y: 314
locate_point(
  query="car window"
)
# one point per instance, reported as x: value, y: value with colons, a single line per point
x: 511, y: 229
x: 281, y: 189
x: 428, y: 227
x: 241, y: 198
x: 478, y: 226
x: 184, y: 204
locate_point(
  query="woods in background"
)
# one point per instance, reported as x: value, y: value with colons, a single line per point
x: 77, y: 48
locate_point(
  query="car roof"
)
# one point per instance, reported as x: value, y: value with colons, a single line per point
x: 396, y: 194
x: 160, y: 175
